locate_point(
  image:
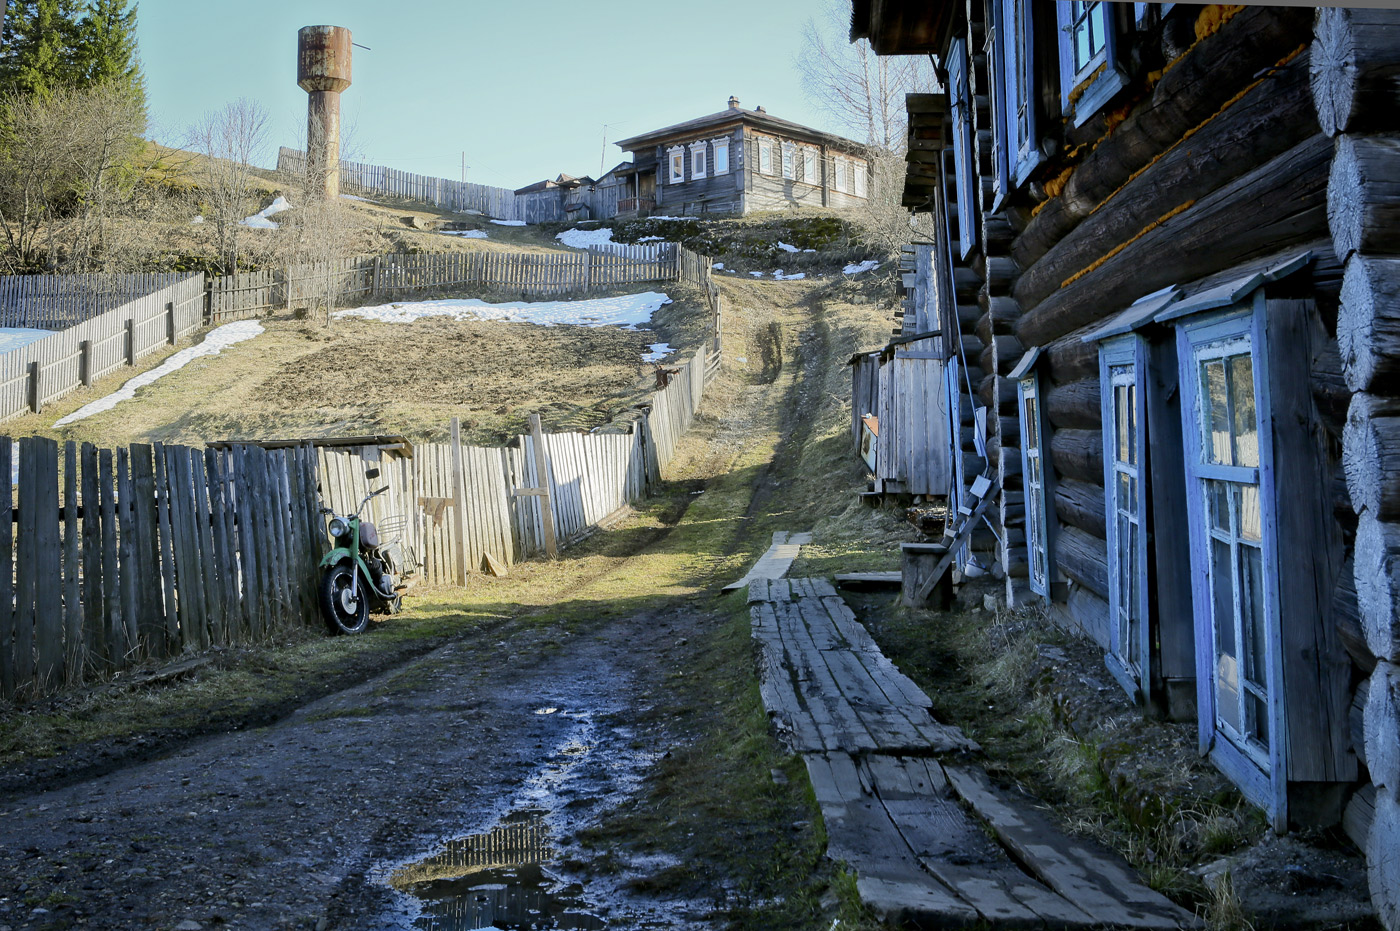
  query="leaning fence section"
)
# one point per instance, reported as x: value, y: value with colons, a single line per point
x: 49, y: 368
x: 111, y: 557
x: 56, y: 302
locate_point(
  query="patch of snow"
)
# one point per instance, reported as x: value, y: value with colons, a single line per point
x: 260, y: 221
x: 756, y: 274
x: 196, y: 221
x: 787, y: 248
x: 652, y: 239
x: 509, y: 222
x: 718, y: 266
x: 743, y: 360
x: 658, y: 352
x: 796, y: 276
x: 466, y: 234
x: 582, y: 239
x: 628, y: 310
x: 213, y: 344
x: 363, y: 200
x: 14, y: 337
x: 865, y: 266
x: 670, y: 218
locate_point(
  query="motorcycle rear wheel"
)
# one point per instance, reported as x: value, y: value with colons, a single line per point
x: 346, y: 612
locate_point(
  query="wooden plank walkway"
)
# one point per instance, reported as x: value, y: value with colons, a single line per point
x: 895, y: 815
x: 776, y: 561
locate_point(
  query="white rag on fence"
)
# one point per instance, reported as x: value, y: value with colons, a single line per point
x: 627, y: 310
x: 213, y: 344
x: 260, y: 221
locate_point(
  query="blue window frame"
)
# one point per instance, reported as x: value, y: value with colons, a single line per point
x: 1015, y: 66
x: 1230, y: 494
x: 964, y: 165
x: 1122, y: 379
x: 1089, y: 71
x: 1034, y: 478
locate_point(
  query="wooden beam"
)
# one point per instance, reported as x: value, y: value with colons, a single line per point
x: 1355, y: 69
x: 1083, y: 558
x: 1083, y: 505
x: 1078, y: 454
x: 1075, y: 405
x: 1378, y: 585
x: 1368, y: 324
x: 1363, y: 195
x: 1371, y: 455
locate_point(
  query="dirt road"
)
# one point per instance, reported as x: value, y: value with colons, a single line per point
x: 592, y: 719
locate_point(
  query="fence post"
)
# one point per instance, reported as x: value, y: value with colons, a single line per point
x: 459, y: 499
x: 374, y: 285
x: 35, y: 395
x: 131, y: 340
x: 85, y: 363
x: 170, y: 321
x: 551, y: 545
x: 588, y: 271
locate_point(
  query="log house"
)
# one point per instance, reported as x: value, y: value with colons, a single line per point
x: 1166, y: 273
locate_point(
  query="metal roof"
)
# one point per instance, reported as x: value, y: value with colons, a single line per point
x: 734, y: 115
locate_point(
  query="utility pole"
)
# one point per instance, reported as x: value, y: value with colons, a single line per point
x: 603, y: 155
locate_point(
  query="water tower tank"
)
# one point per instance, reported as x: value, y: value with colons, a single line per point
x: 323, y: 71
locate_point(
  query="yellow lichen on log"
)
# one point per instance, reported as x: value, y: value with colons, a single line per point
x: 1214, y: 16
x: 1098, y: 263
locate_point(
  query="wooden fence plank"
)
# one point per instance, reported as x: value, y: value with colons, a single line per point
x: 74, y: 648
x: 150, y: 625
x: 126, y: 554
x: 209, y: 563
x: 113, y: 630
x: 8, y: 626
x: 166, y: 544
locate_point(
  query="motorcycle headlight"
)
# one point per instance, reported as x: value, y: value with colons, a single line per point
x: 339, y: 527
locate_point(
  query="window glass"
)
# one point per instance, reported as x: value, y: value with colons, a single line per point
x: 809, y: 166
x: 860, y: 180
x: 1033, y: 472
x: 677, y: 166
x: 1244, y: 425
x: 765, y: 158
x: 721, y: 158
x: 789, y: 161
x: 697, y: 161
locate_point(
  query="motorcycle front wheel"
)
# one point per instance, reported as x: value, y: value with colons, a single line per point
x: 345, y: 610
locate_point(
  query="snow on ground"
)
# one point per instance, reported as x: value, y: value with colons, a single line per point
x: 465, y: 234
x: 628, y: 310
x: 14, y: 337
x: 213, y: 344
x: 363, y: 200
x: 509, y: 222
x: 718, y: 266
x: 796, y: 276
x: 756, y: 274
x: 658, y: 352
x: 859, y: 267
x: 787, y: 247
x: 670, y: 218
x: 196, y: 221
x: 652, y: 239
x: 582, y: 239
x: 260, y: 221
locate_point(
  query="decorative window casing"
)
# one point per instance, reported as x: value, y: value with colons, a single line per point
x: 861, y: 183
x: 1016, y: 63
x: 809, y: 165
x: 839, y: 175
x: 765, y: 157
x: 676, y: 157
x: 697, y: 160
x: 721, y: 156
x: 964, y: 165
x: 1033, y: 474
x: 1089, y: 70
x: 1123, y: 386
x: 790, y: 161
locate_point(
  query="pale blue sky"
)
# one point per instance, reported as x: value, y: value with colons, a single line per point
x: 523, y: 86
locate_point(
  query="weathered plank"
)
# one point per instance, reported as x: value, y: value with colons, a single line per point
x: 74, y: 649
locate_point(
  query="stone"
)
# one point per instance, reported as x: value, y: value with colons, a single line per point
x: 189, y: 925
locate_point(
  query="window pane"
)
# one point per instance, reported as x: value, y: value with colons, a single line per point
x: 1245, y: 422
x: 1216, y: 410
x: 1252, y: 614
x: 1123, y: 425
x: 1227, y: 682
x: 1258, y: 719
x: 1134, y: 616
x: 1249, y: 514
x: 1032, y: 426
x: 1218, y: 504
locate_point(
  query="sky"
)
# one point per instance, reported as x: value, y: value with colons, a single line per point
x: 522, y: 87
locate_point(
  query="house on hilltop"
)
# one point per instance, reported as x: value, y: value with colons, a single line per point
x: 739, y: 161
x: 1169, y: 374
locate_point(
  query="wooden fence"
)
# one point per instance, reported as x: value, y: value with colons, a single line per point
x: 49, y: 368
x: 111, y: 557
x: 55, y: 302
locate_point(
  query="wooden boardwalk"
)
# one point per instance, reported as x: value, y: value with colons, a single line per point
x: 904, y: 806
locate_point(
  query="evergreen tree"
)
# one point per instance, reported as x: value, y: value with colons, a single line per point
x: 40, y: 46
x: 106, y: 47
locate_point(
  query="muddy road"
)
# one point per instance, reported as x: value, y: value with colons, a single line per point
x: 537, y: 761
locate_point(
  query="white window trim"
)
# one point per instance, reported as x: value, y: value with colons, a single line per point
x: 698, y: 165
x: 789, y: 160
x: 671, y: 154
x: 765, y: 154
x: 1033, y: 463
x: 1082, y: 92
x: 721, y: 145
x: 810, y: 173
x: 862, y: 182
x: 839, y: 180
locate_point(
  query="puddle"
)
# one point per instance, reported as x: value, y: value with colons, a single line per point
x: 495, y: 880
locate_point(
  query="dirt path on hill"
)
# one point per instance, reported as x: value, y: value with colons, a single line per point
x: 560, y: 723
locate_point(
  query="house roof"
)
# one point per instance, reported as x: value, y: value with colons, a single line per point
x: 730, y: 116
x: 926, y: 113
x: 902, y: 27
x: 568, y: 181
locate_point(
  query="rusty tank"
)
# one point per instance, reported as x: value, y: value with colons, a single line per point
x: 323, y: 71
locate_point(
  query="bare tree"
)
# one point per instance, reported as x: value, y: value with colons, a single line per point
x: 231, y: 139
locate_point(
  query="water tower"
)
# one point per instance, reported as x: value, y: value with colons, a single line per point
x: 323, y: 71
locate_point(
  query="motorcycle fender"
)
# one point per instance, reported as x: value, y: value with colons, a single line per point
x: 336, y: 555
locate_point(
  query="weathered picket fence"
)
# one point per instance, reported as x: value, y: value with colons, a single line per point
x: 461, y: 196
x: 109, y: 557
x: 55, y: 302
x: 47, y: 369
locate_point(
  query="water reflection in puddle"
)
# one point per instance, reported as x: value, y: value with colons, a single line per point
x: 495, y: 880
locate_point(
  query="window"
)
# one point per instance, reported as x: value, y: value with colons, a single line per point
x: 765, y: 157
x: 809, y: 166
x: 861, y: 179
x: 960, y: 99
x: 697, y: 160
x: 1013, y: 26
x: 1122, y: 368
x: 1229, y: 512
x: 1033, y: 474
x: 789, y: 161
x: 839, y: 174
x: 721, y: 156
x: 677, y: 165
x: 1089, y: 73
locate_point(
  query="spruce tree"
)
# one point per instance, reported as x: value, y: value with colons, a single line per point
x: 40, y: 47
x: 106, y: 46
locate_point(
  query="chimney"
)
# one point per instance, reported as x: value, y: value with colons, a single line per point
x: 733, y: 102
x: 759, y: 109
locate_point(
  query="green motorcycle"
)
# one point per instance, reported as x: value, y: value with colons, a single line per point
x: 360, y: 571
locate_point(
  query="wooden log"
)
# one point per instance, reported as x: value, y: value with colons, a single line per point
x: 997, y: 391
x: 1075, y: 405
x: 1083, y: 558
x: 1355, y: 69
x: 1371, y: 455
x: 1083, y: 505
x: 1078, y: 454
x: 1378, y: 585
x: 1381, y: 724
x: 1346, y: 614
x: 1383, y: 860
x: 1274, y: 207
x: 1356, y: 719
x: 1368, y: 324
x: 1190, y: 93
x: 1268, y: 121
x: 999, y: 315
x: 1070, y: 359
x: 1363, y: 195
x: 1329, y: 388
x: 1358, y: 815
x: 1090, y: 612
